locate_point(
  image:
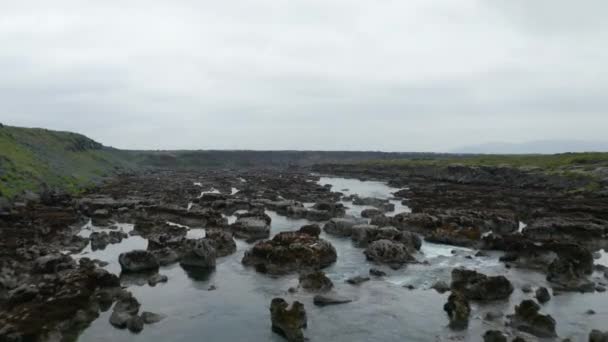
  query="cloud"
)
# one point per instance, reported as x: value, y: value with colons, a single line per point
x: 307, y: 74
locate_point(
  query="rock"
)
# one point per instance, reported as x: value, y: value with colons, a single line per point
x: 358, y: 280
x: 289, y: 252
x: 251, y: 228
x: 53, y: 263
x: 119, y: 319
x: 99, y: 240
x: 201, y: 255
x: 493, y: 315
x: 494, y: 336
x: 330, y: 299
x: 542, y: 295
x: 458, y: 310
x: 311, y: 229
x: 340, y: 227
x: 590, y: 312
x: 288, y: 322
x: 222, y: 242
x: 526, y: 288
x: 22, y: 294
x: 365, y: 234
x: 376, y: 272
x: 138, y: 261
x: 369, y: 213
x: 388, y: 252
x: 315, y: 281
x: 569, y: 271
x: 441, y: 287
x: 598, y: 336
x: 151, y: 318
x: 157, y: 278
x: 127, y: 304
x: 600, y: 288
x: 477, y: 286
x: 166, y: 256
x: 528, y: 319
x: 135, y: 324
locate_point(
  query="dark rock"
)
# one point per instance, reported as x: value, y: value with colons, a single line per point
x: 151, y: 318
x: 477, y: 286
x: 376, y: 272
x: 598, y: 336
x: 493, y: 315
x: 290, y: 251
x: 222, y: 242
x: 200, y: 255
x: 388, y: 252
x: 311, y: 229
x: 340, y: 227
x: 330, y: 299
x: 526, y: 288
x: 358, y: 280
x: 315, y: 281
x: 53, y: 263
x: 458, y: 310
x: 542, y: 295
x: 441, y: 287
x: 120, y: 319
x: 528, y: 319
x: 135, y: 324
x: 369, y: 213
x: 494, y: 336
x: 138, y: 261
x: 157, y: 278
x: 288, y: 322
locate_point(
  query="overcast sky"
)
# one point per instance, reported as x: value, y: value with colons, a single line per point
x: 396, y: 75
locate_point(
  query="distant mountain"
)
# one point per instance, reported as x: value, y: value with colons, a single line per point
x: 536, y: 147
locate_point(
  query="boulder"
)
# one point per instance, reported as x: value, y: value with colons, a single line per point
x: 138, y: 261
x: 315, y: 281
x: 477, y: 286
x: 458, y: 310
x: 598, y: 336
x: 357, y: 280
x: 222, y: 242
x: 330, y: 299
x: 441, y: 287
x: 289, y: 252
x: 288, y: 322
x: 201, y: 254
x: 528, y: 319
x: 388, y: 252
x: 135, y: 324
x: 157, y: 278
x: 311, y: 229
x: 251, y: 228
x: 151, y: 318
x: 494, y: 336
x: 369, y: 213
x: 340, y: 227
x: 542, y: 295
x: 53, y: 263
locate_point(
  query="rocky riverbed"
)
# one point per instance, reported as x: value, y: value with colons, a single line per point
x: 201, y: 255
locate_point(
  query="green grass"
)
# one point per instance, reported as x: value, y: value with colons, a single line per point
x: 556, y: 162
x: 32, y: 159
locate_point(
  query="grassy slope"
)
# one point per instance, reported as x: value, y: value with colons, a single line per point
x: 32, y: 158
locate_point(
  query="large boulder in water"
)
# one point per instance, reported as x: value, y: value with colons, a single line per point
x: 251, y: 228
x: 222, y: 242
x: 289, y: 252
x: 201, y: 255
x: 365, y: 234
x: 315, y: 281
x: 477, y: 286
x: 389, y: 252
x: 598, y: 336
x: 569, y: 271
x: 458, y: 310
x: 340, y: 226
x: 528, y: 319
x: 138, y: 261
x: 288, y: 322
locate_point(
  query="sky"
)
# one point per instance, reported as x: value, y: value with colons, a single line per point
x: 392, y: 75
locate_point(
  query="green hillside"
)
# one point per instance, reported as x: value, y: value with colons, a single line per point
x: 33, y: 159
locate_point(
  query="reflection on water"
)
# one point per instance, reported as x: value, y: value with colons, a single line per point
x: 382, y: 309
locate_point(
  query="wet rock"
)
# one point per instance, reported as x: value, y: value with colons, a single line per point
x: 363, y: 235
x: 288, y: 322
x: 526, y: 288
x: 135, y: 324
x: 151, y: 318
x: 157, y: 278
x: 315, y: 281
x: 119, y: 319
x: 53, y: 263
x: 22, y: 294
x: 165, y: 256
x: 493, y: 315
x: 566, y: 274
x: 458, y: 310
x: 477, y: 286
x: 598, y: 336
x: 222, y: 242
x: 340, y: 227
x: 311, y: 229
x: 200, y: 255
x: 542, y: 295
x: 330, y: 299
x: 138, y: 261
x: 369, y: 213
x: 376, y: 272
x: 358, y: 280
x: 528, y: 319
x: 251, y: 228
x: 388, y: 252
x: 289, y: 252
x: 441, y: 287
x: 99, y: 240
x: 494, y: 336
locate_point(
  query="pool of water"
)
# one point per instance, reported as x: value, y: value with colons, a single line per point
x: 382, y: 309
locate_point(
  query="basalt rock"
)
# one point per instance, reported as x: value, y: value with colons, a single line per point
x: 458, y: 310
x: 138, y: 261
x: 477, y: 286
x: 315, y: 281
x: 542, y: 295
x: 394, y: 254
x: 251, y: 228
x: 201, y: 254
x: 363, y: 235
x: 288, y: 321
x: 289, y: 252
x: 528, y: 319
x: 222, y: 242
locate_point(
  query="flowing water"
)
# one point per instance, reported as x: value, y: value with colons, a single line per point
x: 382, y: 309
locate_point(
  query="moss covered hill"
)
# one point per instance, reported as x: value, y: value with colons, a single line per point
x: 35, y: 159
